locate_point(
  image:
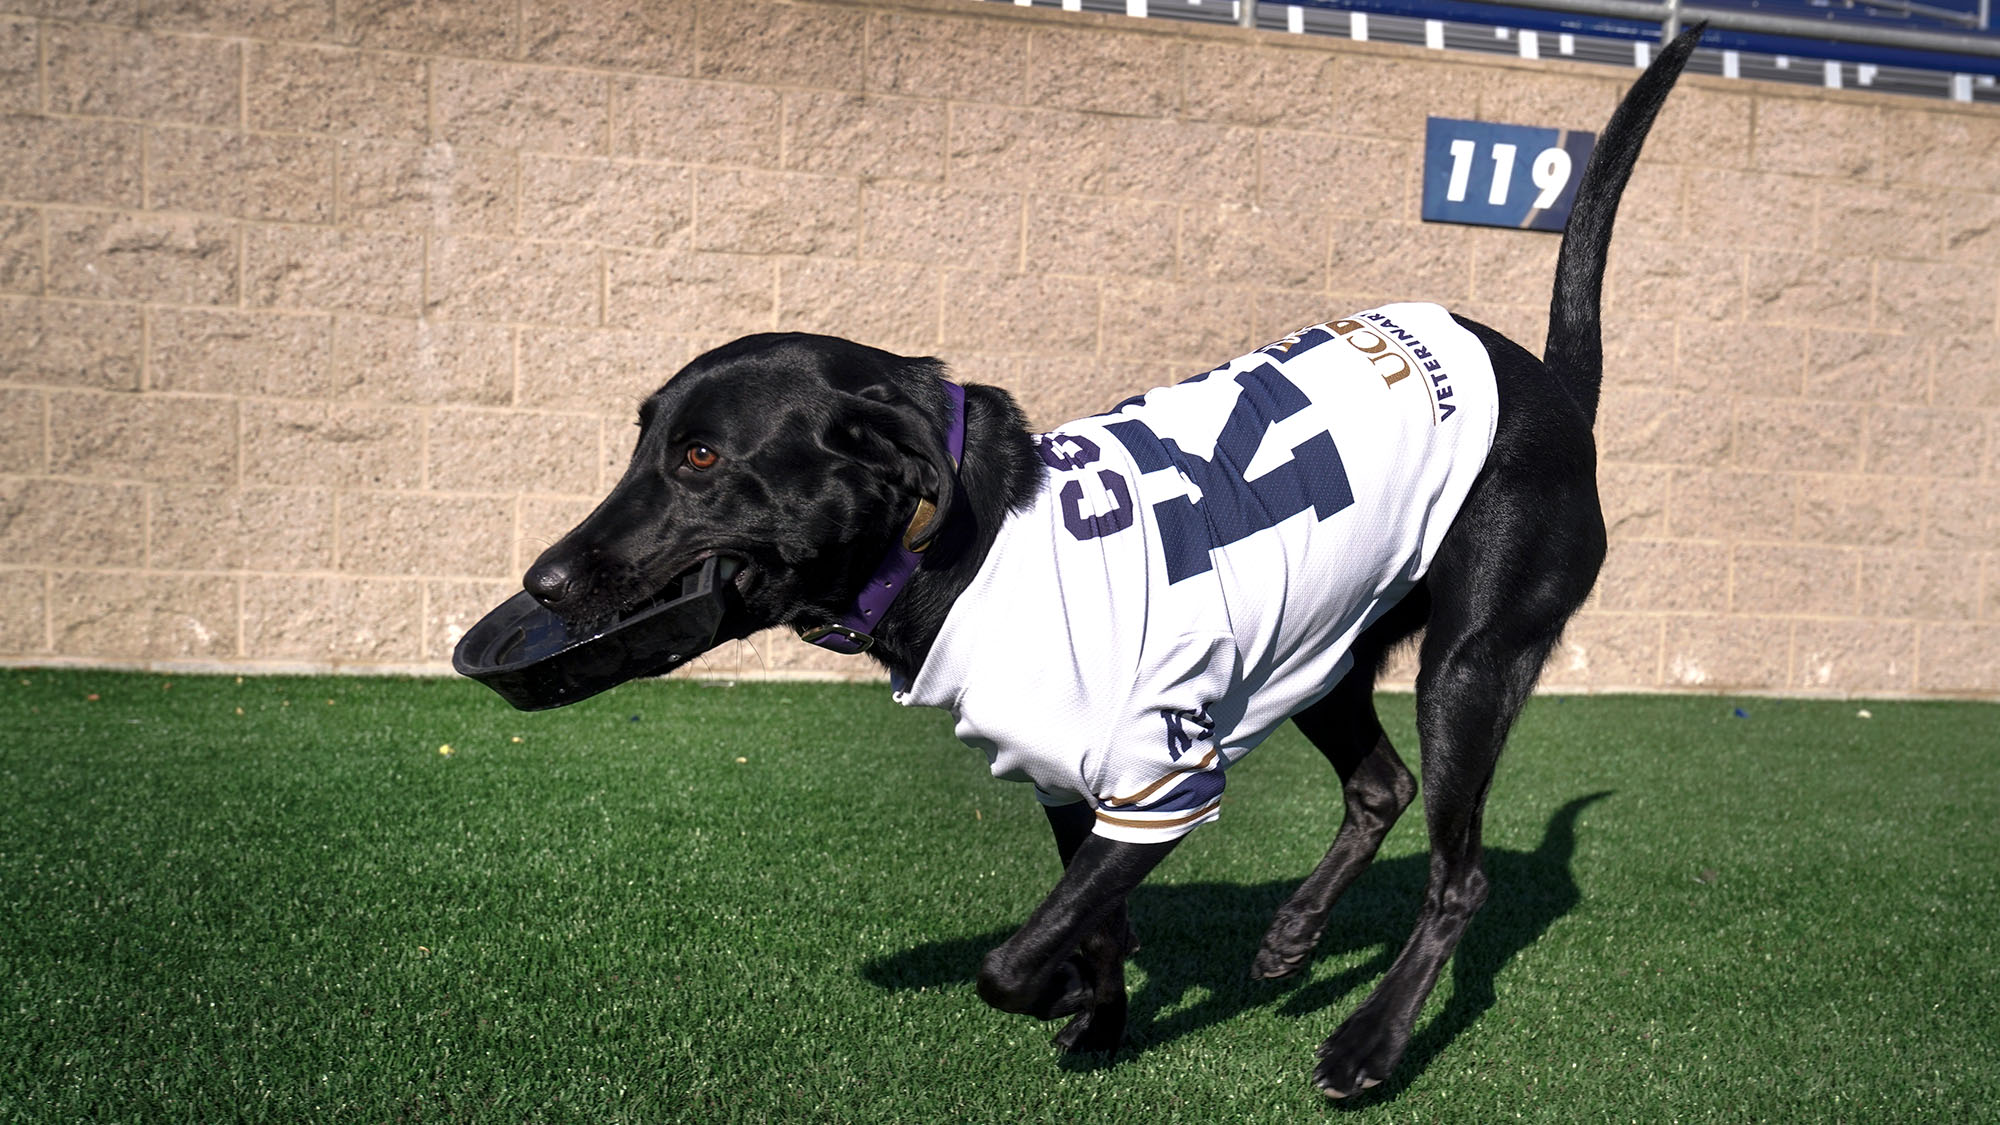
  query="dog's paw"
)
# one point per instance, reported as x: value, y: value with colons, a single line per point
x: 1065, y: 990
x: 1358, y: 1057
x: 1284, y: 952
x: 1069, y: 991
x: 1099, y: 1029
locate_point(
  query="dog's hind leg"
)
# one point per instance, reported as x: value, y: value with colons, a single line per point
x: 1520, y: 559
x: 1377, y: 787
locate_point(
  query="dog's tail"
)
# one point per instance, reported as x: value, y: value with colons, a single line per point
x: 1575, y: 348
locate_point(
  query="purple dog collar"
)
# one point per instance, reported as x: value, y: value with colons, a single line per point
x: 850, y: 635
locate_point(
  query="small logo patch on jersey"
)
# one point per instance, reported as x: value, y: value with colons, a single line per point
x: 1185, y: 728
x: 1395, y: 353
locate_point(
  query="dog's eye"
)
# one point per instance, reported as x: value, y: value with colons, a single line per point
x: 701, y: 458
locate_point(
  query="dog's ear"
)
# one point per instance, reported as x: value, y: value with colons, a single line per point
x: 904, y: 436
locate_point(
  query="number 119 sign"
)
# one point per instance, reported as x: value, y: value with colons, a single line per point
x: 1493, y: 175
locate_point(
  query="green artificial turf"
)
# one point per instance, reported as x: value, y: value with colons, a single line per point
x: 276, y: 900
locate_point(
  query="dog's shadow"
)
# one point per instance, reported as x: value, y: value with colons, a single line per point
x: 1199, y: 938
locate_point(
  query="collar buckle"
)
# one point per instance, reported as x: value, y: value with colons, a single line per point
x: 846, y: 636
x: 838, y: 638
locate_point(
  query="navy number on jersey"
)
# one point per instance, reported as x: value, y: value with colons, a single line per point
x: 1067, y: 451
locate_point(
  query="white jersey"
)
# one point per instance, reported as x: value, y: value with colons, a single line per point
x: 1200, y: 559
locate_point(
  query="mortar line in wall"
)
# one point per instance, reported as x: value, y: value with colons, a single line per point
x: 1027, y: 218
x: 601, y: 443
x: 145, y: 167
x: 242, y: 446
x: 1257, y: 176
x: 332, y: 491
x: 946, y: 179
x: 1984, y: 588
x: 229, y: 398
x: 517, y: 216
x: 1996, y: 315
x: 424, y: 418
x: 1860, y: 561
x: 1816, y: 227
x: 1867, y: 446
x: 514, y: 559
x: 1798, y: 504
x: 694, y: 210
x: 1729, y: 569
x: 614, y: 102
x: 1917, y: 654
x: 48, y: 611
x: 1742, y: 302
x: 145, y: 348
x: 939, y: 323
x: 1683, y: 200
x: 1874, y: 292
x: 334, y: 501
x: 1668, y: 502
x: 1660, y: 653
x: 219, y: 573
x: 41, y: 292
x: 610, y: 115
x: 1102, y: 315
x: 1924, y: 517
x: 1931, y: 367
x: 1750, y: 156
x: 305, y: 574
x: 243, y: 84
x: 514, y: 340
x: 423, y: 280
x: 784, y: 126
x: 1793, y: 673
x: 696, y: 33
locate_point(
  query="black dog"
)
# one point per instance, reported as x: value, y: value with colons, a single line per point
x: 863, y: 495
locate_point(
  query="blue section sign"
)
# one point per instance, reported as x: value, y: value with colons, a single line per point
x: 1489, y: 175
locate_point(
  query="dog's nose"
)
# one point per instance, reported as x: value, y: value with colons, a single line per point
x: 550, y: 581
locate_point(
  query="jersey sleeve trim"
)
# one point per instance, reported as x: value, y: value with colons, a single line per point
x: 1205, y: 812
x: 1172, y: 775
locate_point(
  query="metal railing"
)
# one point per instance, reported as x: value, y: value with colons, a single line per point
x: 1672, y: 15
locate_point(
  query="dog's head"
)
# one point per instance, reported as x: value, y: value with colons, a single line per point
x: 804, y: 457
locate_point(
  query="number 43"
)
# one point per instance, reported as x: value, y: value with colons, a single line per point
x: 1550, y: 172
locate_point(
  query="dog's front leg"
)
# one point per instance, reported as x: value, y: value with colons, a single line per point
x: 1101, y: 958
x: 1069, y: 958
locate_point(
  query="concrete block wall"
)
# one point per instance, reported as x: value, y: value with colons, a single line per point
x: 319, y: 317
